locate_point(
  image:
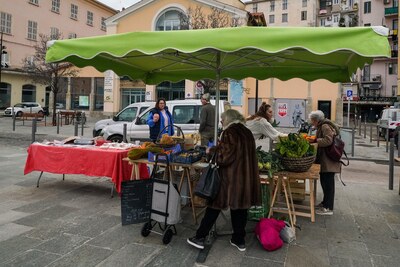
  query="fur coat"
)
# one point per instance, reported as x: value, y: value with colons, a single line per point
x: 237, y: 160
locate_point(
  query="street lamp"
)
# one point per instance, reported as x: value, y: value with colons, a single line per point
x: 3, y: 52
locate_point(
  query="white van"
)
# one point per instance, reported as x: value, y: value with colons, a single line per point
x: 128, y: 114
x: 389, y: 120
x: 185, y: 113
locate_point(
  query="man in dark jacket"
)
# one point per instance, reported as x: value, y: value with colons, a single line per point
x: 207, y: 120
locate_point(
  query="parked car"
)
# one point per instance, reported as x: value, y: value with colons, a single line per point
x: 24, y: 107
x: 388, y: 121
x: 186, y: 115
x: 59, y: 105
x: 128, y: 114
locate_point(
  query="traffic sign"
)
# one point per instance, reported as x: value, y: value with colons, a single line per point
x: 349, y: 94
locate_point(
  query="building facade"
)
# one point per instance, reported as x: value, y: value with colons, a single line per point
x: 21, y: 24
x: 375, y: 86
x: 153, y: 15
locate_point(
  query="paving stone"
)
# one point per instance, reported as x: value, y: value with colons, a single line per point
x: 341, y: 262
x: 251, y: 262
x: 8, y: 205
x: 93, y: 226
x: 383, y: 261
x: 84, y: 256
x: 9, y: 230
x: 62, y: 244
x: 117, y: 237
x: 32, y: 258
x: 254, y: 249
x: 313, y: 237
x: 45, y: 216
x: 306, y: 256
x: 10, y: 216
x: 374, y: 228
x: 347, y: 249
x: 342, y: 227
x: 11, y: 247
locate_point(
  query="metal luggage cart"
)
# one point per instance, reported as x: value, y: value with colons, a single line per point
x: 166, y: 204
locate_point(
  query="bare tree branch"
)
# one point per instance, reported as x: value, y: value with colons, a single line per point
x: 48, y: 74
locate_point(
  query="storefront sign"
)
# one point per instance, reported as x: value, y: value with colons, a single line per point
x: 108, y: 86
x: 282, y: 109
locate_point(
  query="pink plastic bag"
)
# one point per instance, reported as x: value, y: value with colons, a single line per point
x: 267, y: 231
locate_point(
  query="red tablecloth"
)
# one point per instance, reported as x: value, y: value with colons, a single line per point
x: 91, y: 161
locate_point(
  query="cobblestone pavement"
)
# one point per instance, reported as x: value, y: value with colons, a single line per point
x: 75, y: 222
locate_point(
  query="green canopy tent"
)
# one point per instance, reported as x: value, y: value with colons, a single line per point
x: 260, y: 52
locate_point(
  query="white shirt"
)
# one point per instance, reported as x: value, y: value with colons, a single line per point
x: 165, y: 116
x: 259, y: 127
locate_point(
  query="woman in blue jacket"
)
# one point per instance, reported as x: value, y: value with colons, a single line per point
x: 159, y: 118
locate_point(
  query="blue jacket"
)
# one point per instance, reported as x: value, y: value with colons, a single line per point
x: 156, y: 127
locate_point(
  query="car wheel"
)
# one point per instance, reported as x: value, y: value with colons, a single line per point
x: 19, y: 114
x: 116, y: 138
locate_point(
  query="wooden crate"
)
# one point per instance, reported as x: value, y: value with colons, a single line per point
x: 298, y: 188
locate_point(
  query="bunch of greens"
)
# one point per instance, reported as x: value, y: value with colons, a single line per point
x: 294, y: 146
x: 268, y: 162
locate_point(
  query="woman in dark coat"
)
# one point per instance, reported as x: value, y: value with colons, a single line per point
x: 240, y: 185
x: 326, y: 130
x: 158, y: 120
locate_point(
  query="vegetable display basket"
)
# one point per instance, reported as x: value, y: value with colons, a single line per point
x: 298, y: 164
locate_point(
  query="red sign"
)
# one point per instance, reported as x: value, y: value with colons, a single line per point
x: 282, y: 109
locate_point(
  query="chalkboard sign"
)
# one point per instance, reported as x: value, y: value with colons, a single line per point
x: 136, y: 197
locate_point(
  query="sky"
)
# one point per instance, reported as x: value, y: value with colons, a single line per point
x: 119, y: 4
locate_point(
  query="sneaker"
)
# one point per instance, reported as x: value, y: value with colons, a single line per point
x: 324, y: 211
x: 240, y: 247
x: 196, y: 242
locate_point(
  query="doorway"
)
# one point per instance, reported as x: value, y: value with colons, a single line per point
x: 325, y: 107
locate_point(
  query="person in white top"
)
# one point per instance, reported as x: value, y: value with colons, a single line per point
x: 260, y: 125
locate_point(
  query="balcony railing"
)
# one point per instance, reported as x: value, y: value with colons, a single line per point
x: 391, y: 11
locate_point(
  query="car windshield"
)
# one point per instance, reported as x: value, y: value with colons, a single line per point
x: 19, y: 105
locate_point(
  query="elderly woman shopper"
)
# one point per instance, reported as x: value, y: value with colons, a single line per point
x: 240, y: 186
x: 260, y: 125
x: 158, y: 120
x: 325, y: 133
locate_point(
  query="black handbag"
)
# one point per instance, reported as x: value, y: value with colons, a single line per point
x: 209, y: 183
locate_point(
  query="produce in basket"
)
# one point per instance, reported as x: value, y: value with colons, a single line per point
x: 294, y: 146
x: 167, y: 140
x: 142, y: 152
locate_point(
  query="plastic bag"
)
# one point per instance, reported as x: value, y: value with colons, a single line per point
x: 288, y: 234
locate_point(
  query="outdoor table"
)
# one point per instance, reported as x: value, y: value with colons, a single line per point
x: 136, y: 172
x: 312, y: 175
x: 86, y: 160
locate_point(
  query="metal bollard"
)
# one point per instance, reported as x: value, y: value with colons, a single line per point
x: 33, y: 130
x: 83, y: 123
x: 387, y: 139
x: 391, y: 164
x: 370, y: 134
x: 359, y: 127
x: 58, y: 122
x: 76, y: 129
x: 365, y: 128
x: 379, y: 136
x: 124, y: 133
x: 13, y: 117
x: 353, y: 133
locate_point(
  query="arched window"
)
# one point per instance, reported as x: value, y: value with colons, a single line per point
x: 28, y: 93
x: 170, y: 20
x: 5, y: 95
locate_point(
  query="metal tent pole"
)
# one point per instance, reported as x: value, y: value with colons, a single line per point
x: 217, y: 96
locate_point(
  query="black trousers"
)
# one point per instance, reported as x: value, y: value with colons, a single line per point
x: 238, y: 219
x: 328, y: 188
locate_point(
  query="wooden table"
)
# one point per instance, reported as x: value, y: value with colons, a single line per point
x: 312, y: 175
x: 173, y: 165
